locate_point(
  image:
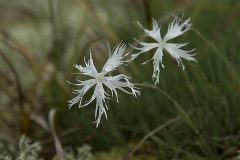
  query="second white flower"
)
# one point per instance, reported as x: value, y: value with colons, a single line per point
x: 175, y: 29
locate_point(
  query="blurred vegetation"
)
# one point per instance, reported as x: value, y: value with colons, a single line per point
x: 195, y: 112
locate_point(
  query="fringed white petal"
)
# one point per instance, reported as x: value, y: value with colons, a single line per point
x: 176, y: 29
x: 115, y: 60
x: 86, y: 86
x: 90, y: 69
x: 99, y: 94
x: 177, y: 53
x: 154, y: 33
x: 113, y: 83
x: 146, y: 47
x: 157, y: 59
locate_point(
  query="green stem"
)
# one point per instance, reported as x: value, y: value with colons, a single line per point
x: 185, y: 116
x: 177, y: 105
x: 218, y: 53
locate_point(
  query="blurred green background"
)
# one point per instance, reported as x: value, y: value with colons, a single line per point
x: 40, y: 41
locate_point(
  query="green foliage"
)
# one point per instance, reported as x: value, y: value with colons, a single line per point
x: 40, y: 41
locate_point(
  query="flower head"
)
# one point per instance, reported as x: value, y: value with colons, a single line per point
x: 175, y: 29
x: 111, y: 82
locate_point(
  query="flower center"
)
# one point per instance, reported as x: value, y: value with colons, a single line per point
x: 100, y: 77
x: 162, y: 44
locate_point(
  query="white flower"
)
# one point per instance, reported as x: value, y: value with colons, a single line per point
x: 112, y: 82
x: 175, y: 29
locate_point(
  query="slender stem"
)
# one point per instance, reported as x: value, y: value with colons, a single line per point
x: 59, y: 149
x: 52, y: 18
x: 25, y: 116
x: 178, y: 106
x: 148, y: 13
x: 226, y: 22
x: 19, y: 88
x: 102, y: 24
x: 191, y: 88
x: 150, y: 134
x: 185, y: 116
x: 218, y: 53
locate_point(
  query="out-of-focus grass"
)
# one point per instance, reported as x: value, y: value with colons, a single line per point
x: 42, y: 40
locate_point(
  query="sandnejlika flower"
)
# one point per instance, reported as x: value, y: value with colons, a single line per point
x: 175, y: 29
x: 112, y: 82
